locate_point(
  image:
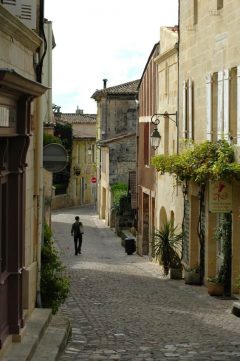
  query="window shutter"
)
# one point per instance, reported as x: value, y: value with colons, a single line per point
x: 184, y: 112
x: 190, y: 117
x: 220, y: 106
x: 11, y: 6
x: 238, y: 105
x: 25, y: 10
x: 226, y: 104
x: 209, y: 107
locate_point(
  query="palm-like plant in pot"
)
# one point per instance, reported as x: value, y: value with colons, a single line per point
x: 167, y: 246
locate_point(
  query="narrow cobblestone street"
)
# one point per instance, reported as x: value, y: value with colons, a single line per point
x: 122, y: 308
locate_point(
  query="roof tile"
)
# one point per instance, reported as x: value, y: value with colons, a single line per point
x: 126, y: 88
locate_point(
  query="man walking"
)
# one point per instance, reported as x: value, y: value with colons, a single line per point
x: 77, y: 232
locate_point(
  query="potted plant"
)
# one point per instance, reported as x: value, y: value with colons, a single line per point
x: 166, y: 247
x: 215, y: 286
x: 192, y: 275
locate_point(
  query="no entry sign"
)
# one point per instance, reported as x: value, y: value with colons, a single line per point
x: 93, y: 180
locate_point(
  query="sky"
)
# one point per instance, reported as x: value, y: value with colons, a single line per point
x: 102, y: 39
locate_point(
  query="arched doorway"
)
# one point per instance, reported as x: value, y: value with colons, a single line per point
x: 163, y: 217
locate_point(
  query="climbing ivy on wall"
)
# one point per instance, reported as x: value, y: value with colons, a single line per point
x: 118, y: 190
x: 64, y: 133
x: 200, y: 163
x: 49, y: 138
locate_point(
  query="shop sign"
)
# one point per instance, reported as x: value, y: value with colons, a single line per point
x: 220, y: 197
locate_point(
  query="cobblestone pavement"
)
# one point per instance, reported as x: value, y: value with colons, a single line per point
x: 122, y: 308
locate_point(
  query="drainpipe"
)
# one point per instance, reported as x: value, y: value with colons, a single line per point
x: 178, y: 68
x: 49, y: 42
x: 38, y: 193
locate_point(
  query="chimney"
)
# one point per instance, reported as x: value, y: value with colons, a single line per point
x: 105, y: 83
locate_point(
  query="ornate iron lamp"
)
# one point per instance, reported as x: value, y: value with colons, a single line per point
x: 155, y: 137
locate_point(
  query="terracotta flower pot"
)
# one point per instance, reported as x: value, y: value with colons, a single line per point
x: 215, y: 289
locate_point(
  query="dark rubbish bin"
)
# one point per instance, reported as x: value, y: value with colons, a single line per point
x: 130, y: 246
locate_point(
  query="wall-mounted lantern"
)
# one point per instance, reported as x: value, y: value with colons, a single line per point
x: 155, y: 137
x: 76, y: 170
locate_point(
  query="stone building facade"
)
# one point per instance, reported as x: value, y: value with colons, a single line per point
x: 20, y: 157
x: 116, y: 139
x: 81, y: 190
x: 146, y: 174
x: 168, y: 197
x: 209, y: 108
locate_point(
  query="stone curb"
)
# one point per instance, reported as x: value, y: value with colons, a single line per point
x: 54, y: 339
x: 44, y: 337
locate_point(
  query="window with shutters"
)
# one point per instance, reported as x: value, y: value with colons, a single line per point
x: 25, y: 10
x: 222, y: 105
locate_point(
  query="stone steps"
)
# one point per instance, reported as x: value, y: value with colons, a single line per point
x: 43, y: 337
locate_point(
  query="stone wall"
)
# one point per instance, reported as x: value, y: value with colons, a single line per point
x: 61, y: 201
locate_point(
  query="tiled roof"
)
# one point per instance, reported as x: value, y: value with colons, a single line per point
x: 74, y: 118
x: 126, y: 88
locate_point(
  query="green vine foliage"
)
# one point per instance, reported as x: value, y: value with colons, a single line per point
x: 64, y: 132
x: 54, y: 282
x: 200, y: 163
x: 118, y: 190
x: 49, y: 138
x: 166, y: 246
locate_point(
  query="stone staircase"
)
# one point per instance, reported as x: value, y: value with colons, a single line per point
x: 43, y: 337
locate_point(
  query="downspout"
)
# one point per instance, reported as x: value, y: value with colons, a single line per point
x: 184, y: 188
x: 39, y: 156
x: 39, y: 194
x: 178, y: 68
x: 137, y: 170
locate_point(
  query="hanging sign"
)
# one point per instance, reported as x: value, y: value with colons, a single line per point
x: 220, y: 197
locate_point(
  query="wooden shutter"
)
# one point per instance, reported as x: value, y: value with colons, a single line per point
x: 238, y: 105
x: 209, y: 107
x: 190, y: 110
x: 184, y: 111
x: 226, y: 104
x: 25, y: 10
x: 220, y: 106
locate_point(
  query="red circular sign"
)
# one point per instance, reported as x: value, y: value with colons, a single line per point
x: 93, y: 180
